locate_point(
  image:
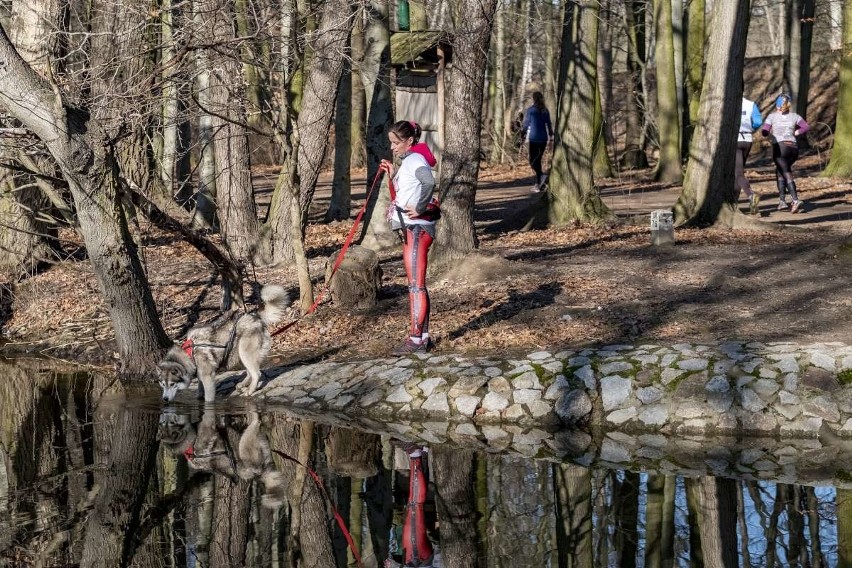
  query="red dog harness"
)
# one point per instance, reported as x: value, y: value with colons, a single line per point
x: 187, y: 347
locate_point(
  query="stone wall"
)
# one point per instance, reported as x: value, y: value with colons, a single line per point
x: 778, y: 389
x: 765, y: 411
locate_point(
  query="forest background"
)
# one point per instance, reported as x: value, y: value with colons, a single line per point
x: 138, y: 139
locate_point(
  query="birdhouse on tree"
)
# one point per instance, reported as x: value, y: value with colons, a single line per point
x: 420, y: 61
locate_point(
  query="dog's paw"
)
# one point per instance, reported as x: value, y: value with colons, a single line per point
x: 244, y: 389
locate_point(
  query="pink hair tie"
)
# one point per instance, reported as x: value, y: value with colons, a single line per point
x: 413, y: 124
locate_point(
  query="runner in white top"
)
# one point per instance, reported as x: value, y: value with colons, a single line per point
x: 750, y: 120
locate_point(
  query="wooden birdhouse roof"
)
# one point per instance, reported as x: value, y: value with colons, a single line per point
x: 417, y: 49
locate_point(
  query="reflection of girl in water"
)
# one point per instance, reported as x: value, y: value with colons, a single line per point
x: 417, y: 548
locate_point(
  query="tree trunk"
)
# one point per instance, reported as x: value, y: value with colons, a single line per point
x: 659, y: 522
x: 498, y: 136
x: 693, y: 508
x: 351, y: 453
x: 463, y: 110
x: 507, y: 490
x: 669, y: 168
x: 814, y: 520
x: 126, y: 444
x: 840, y: 164
x: 523, y: 76
x: 82, y: 150
x: 709, y: 194
x: 309, y: 538
x: 328, y: 52
x: 843, y: 501
x: 573, y: 195
x: 678, y: 45
x: 170, y: 102
x: 601, y: 166
x: 375, y: 73
x: 236, y: 207
x: 454, y: 495
x: 27, y: 238
x: 330, y: 49
x: 551, y: 16
x: 742, y: 524
x: 719, y: 522
x: 358, y: 157
x: 604, y: 68
x: 205, y: 203
x: 625, y: 500
x: 231, y: 506
x: 341, y: 185
x: 634, y: 138
x: 574, y: 515
x: 695, y: 40
x: 378, y: 497
x: 798, y: 61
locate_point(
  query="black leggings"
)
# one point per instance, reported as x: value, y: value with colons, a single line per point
x: 537, y: 150
x: 784, y: 155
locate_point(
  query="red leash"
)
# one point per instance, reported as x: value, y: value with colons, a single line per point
x: 346, y: 244
x: 337, y: 517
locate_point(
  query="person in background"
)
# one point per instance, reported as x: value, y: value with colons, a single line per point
x: 414, y: 185
x: 516, y: 129
x: 538, y: 131
x: 784, y: 126
x: 750, y: 120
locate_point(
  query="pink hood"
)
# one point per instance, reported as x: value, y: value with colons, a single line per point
x: 422, y: 149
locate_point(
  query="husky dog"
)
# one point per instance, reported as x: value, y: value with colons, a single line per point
x: 211, y: 445
x: 234, y: 339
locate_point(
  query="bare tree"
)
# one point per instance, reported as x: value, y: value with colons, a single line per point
x: 454, y: 495
x: 85, y: 153
x: 709, y: 193
x: 472, y: 20
x: 841, y: 152
x: 718, y: 522
x: 375, y: 73
x: 329, y: 47
x: 341, y: 185
x: 573, y: 485
x: 26, y: 231
x: 573, y: 194
x: 669, y: 167
x: 236, y: 207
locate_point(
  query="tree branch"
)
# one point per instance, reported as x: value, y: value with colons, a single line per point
x: 230, y: 271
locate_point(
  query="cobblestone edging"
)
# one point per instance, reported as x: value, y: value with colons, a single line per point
x: 775, y: 389
x: 765, y: 411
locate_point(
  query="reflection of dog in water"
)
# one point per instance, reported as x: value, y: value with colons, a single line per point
x: 234, y: 339
x: 207, y: 446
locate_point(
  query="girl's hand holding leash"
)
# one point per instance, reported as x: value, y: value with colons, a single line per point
x: 387, y: 167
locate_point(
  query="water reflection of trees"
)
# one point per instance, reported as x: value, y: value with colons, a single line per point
x: 85, y: 481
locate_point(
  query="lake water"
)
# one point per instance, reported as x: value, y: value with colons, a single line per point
x: 95, y: 473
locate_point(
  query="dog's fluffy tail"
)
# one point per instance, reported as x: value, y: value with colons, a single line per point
x: 275, y: 301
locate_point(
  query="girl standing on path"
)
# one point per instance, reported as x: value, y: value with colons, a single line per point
x: 539, y: 132
x: 414, y: 185
x: 784, y: 126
